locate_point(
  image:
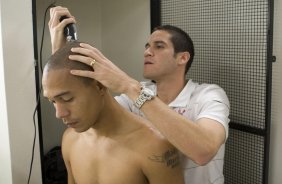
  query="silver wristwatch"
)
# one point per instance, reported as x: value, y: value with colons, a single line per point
x: 145, y: 94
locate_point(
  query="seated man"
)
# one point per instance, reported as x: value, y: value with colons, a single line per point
x: 104, y: 143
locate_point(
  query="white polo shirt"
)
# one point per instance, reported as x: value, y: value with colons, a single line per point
x: 197, y: 101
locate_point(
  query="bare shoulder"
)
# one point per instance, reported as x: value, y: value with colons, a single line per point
x: 69, y: 135
x: 69, y: 138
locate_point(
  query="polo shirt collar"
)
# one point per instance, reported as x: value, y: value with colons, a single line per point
x: 184, y: 96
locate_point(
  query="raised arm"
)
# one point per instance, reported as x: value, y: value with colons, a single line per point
x: 56, y: 27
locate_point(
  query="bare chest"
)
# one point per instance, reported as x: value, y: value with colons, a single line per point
x: 106, y: 163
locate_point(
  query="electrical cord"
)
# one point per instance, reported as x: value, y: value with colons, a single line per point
x: 34, y: 139
x: 42, y: 38
x: 38, y: 96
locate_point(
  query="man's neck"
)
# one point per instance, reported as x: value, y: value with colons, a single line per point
x: 114, y: 120
x: 167, y: 91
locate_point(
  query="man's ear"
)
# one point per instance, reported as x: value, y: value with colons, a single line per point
x: 183, y: 58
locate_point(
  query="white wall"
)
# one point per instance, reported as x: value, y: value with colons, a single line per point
x: 5, y: 152
x: 18, y: 98
x: 125, y: 30
x: 275, y: 176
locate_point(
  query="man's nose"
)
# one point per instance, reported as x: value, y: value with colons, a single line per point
x: 148, y: 52
x: 61, y: 111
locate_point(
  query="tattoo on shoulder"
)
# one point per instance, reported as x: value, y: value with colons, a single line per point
x: 170, y: 158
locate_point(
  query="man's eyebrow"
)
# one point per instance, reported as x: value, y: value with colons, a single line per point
x: 61, y: 94
x: 159, y: 41
x: 156, y: 42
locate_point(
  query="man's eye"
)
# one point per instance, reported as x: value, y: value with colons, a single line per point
x: 147, y: 46
x: 67, y: 99
x: 159, y: 46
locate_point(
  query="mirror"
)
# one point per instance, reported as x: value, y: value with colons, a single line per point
x: 118, y: 28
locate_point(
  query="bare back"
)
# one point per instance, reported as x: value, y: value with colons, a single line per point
x: 140, y: 157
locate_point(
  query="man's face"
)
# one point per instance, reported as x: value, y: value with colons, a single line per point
x: 159, y: 58
x: 76, y: 104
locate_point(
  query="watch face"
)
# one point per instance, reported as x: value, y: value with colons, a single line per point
x: 148, y: 92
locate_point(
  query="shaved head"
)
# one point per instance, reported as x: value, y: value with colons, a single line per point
x: 60, y: 60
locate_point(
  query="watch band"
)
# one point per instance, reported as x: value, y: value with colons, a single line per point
x: 145, y: 94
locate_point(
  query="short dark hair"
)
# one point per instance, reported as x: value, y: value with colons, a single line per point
x: 181, y: 41
x: 60, y: 60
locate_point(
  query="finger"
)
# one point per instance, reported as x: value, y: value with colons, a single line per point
x: 98, y: 52
x: 53, y: 19
x: 86, y: 52
x: 83, y: 59
x: 67, y: 21
x: 57, y: 12
x: 86, y: 45
x: 92, y: 52
x: 83, y: 73
x: 54, y: 11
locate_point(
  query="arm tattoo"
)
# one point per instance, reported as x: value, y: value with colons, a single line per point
x: 170, y: 158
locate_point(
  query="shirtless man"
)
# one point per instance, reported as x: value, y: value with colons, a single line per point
x: 104, y: 144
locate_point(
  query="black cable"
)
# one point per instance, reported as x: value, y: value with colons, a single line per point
x: 34, y: 139
x: 42, y: 38
x: 38, y: 96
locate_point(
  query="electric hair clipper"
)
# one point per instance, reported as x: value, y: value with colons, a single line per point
x: 70, y: 30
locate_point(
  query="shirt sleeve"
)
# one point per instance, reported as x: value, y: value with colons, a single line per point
x: 124, y: 101
x: 214, y: 104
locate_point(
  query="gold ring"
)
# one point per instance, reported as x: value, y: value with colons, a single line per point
x: 92, y: 63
